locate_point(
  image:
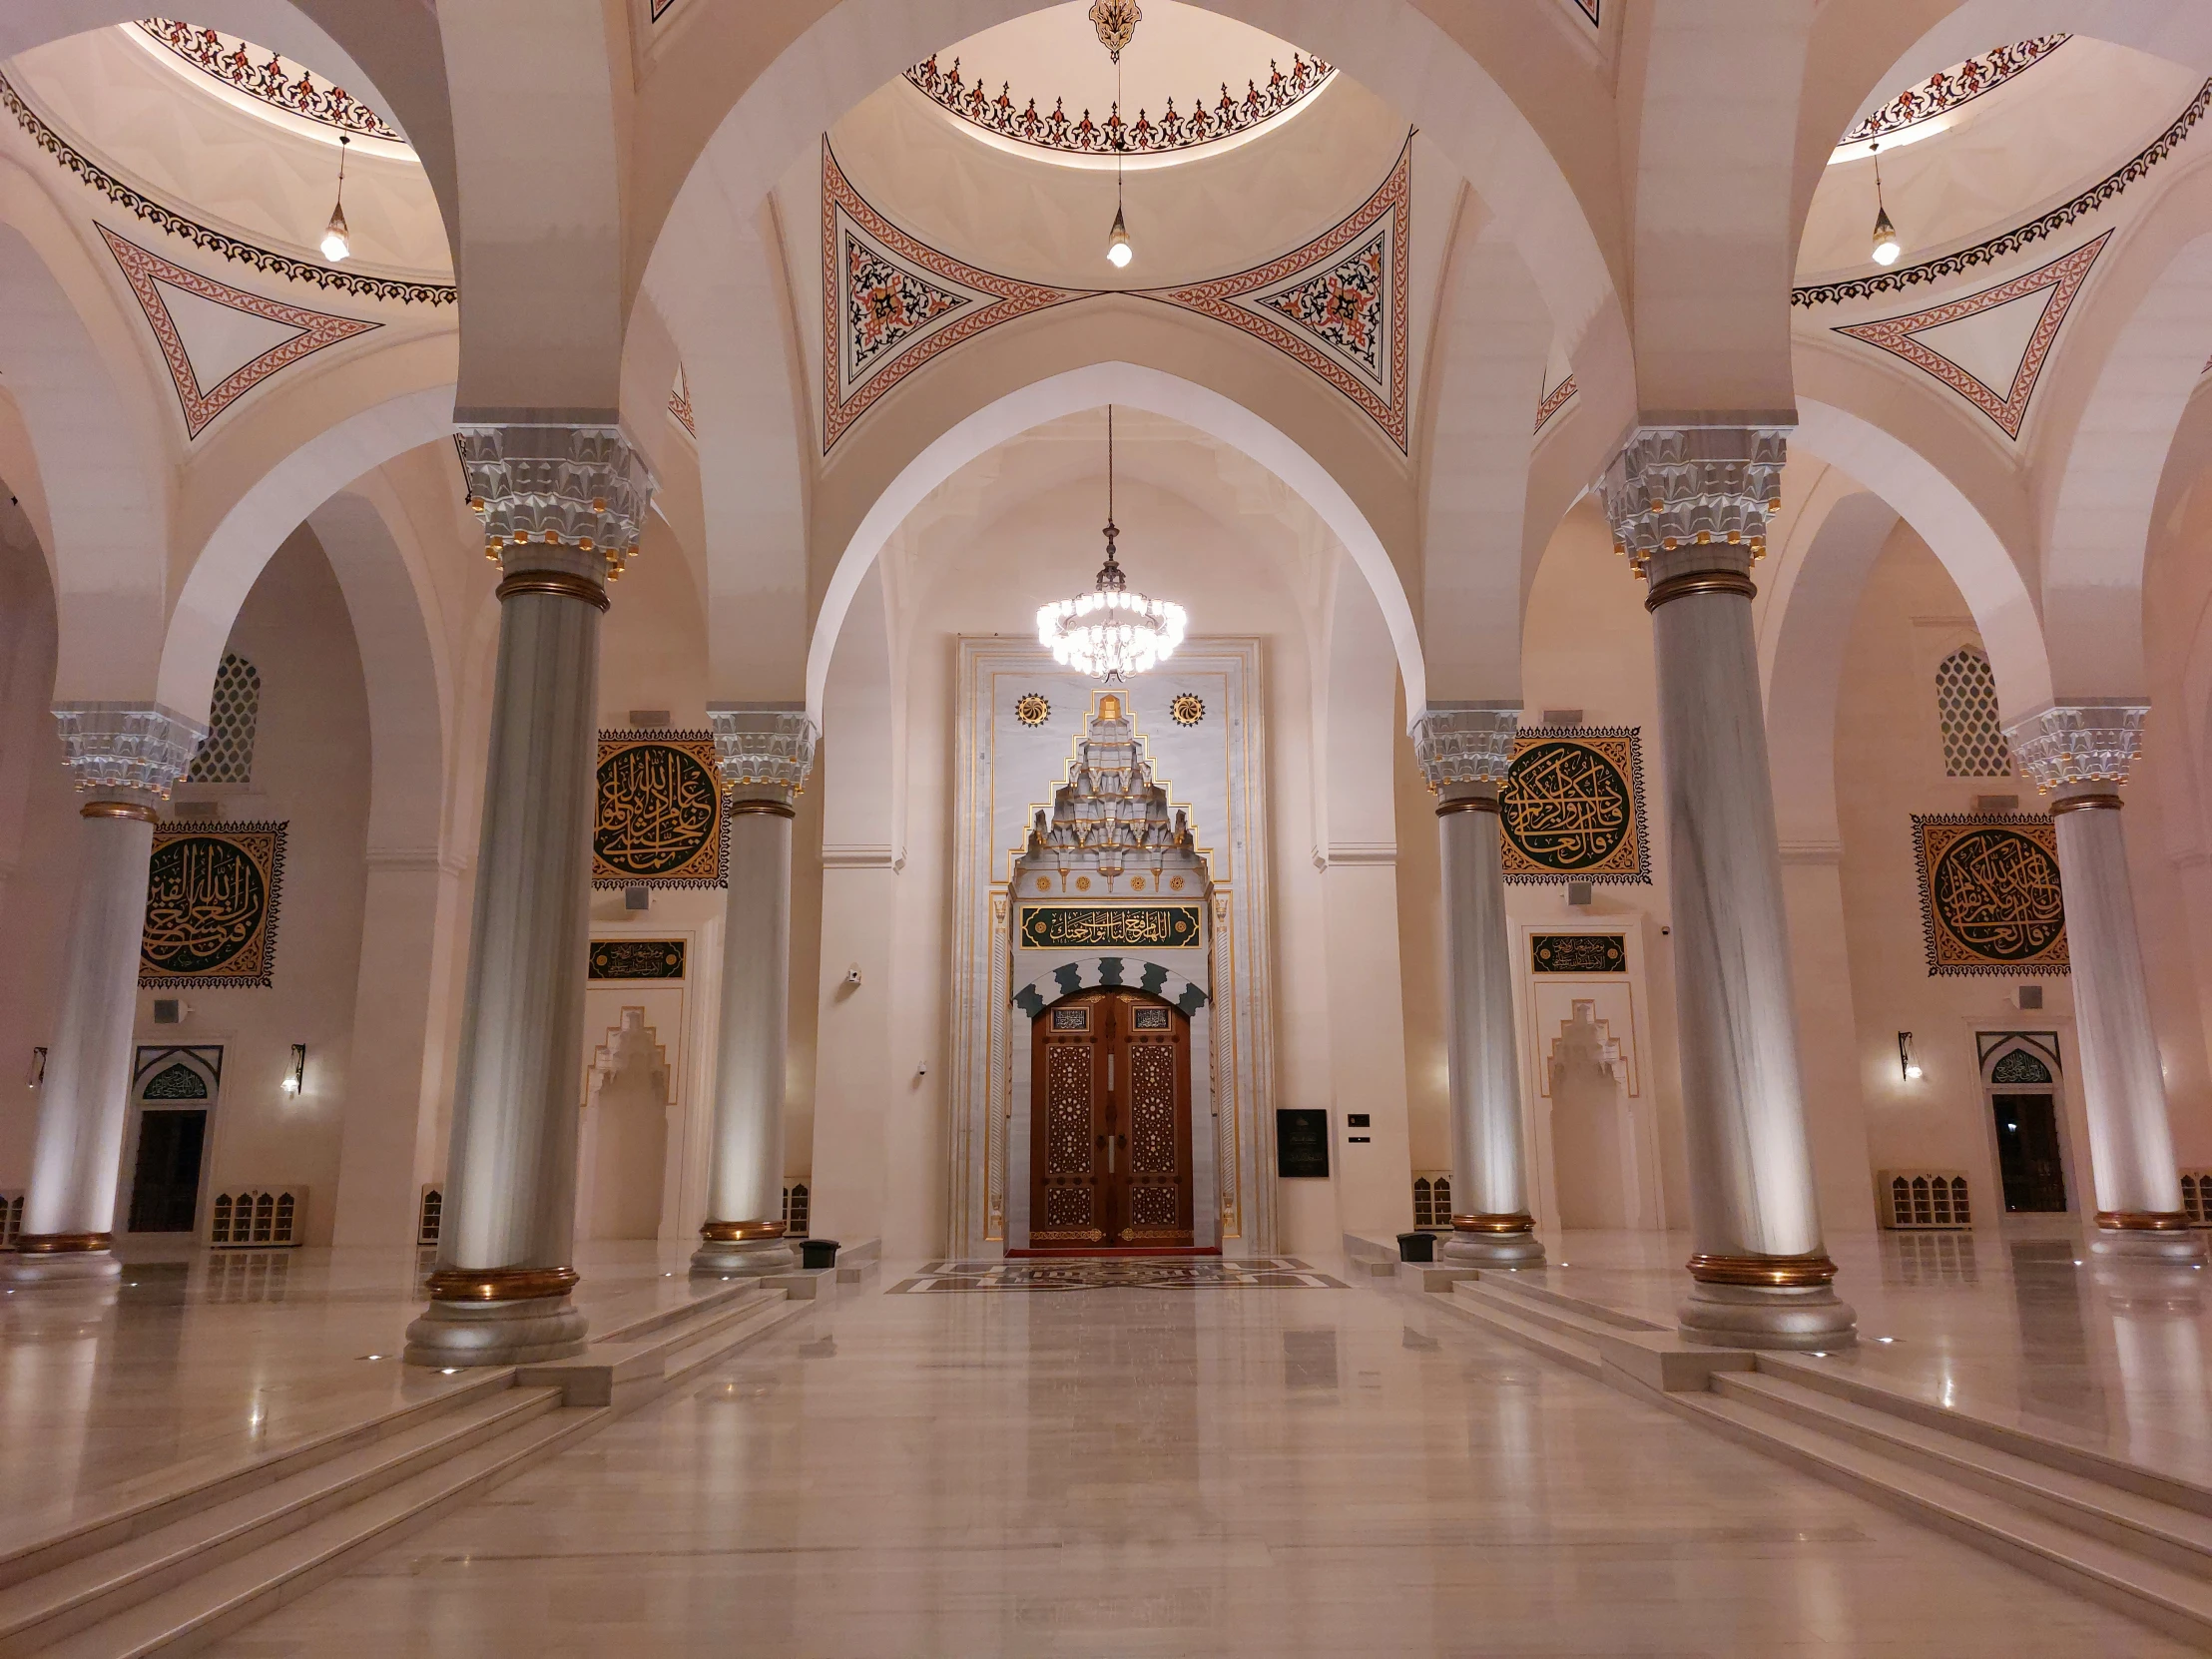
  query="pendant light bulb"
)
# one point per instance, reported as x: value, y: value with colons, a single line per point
x: 1118, y: 250
x: 338, y: 242
x: 1887, y: 246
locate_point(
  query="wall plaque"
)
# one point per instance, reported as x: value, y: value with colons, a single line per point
x: 637, y: 958
x: 1080, y: 926
x: 1989, y: 893
x: 1301, y: 1142
x: 1572, y: 806
x: 210, y: 906
x: 1578, y: 953
x: 660, y: 820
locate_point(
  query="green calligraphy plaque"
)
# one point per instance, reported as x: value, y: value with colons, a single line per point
x: 1117, y: 926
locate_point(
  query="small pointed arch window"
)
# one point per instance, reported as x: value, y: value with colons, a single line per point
x: 1967, y: 709
x: 233, y: 713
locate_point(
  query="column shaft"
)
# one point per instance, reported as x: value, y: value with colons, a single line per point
x: 1490, y: 1182
x: 2131, y: 1147
x: 745, y: 1185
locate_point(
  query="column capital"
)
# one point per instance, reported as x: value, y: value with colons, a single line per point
x: 127, y: 751
x: 765, y: 749
x: 2090, y: 742
x: 1463, y: 747
x: 556, y: 496
x: 1672, y: 487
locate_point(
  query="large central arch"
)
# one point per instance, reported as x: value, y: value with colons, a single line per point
x: 1132, y: 386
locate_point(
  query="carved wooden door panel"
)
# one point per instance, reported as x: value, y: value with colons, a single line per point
x: 1068, y: 1143
x: 1110, y: 1114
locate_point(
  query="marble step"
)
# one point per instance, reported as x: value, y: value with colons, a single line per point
x: 1549, y: 1335
x: 1903, y: 1478
x: 185, y: 1490
x: 75, y: 1594
x: 215, y: 1601
x: 1531, y: 1286
x: 2176, y: 1536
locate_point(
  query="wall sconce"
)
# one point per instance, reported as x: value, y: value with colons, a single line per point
x: 1905, y: 1064
x: 297, y: 1078
x: 36, y: 1076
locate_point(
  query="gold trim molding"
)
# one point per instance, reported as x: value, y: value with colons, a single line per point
x: 561, y: 583
x: 1700, y: 581
x: 774, y: 809
x: 63, y: 1243
x: 1522, y: 1221
x: 1774, y: 1273
x: 2142, y: 1221
x: 500, y: 1284
x: 2085, y: 804
x: 1471, y: 803
x: 119, y: 809
x: 739, y: 1232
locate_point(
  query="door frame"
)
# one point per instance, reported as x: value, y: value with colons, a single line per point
x: 1174, y: 988
x: 1989, y: 1047
x: 148, y: 1061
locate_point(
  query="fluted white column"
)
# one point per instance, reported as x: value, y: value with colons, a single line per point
x: 1464, y: 750
x: 2081, y: 754
x: 560, y: 506
x: 765, y: 754
x: 125, y: 759
x: 1689, y: 507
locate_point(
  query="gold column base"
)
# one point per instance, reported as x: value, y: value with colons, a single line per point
x: 1518, y: 1223
x: 2144, y: 1220
x: 739, y: 1232
x: 500, y: 1284
x: 62, y: 1244
x: 1776, y: 1273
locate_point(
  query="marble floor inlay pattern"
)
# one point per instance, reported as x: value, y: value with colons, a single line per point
x: 1167, y: 1475
x: 1263, y: 1273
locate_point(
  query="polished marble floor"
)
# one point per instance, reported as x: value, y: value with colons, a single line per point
x: 1192, y: 1471
x: 190, y: 1365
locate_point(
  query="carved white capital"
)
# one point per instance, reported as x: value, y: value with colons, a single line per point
x: 549, y: 493
x: 765, y: 751
x: 1463, y: 745
x: 127, y: 749
x: 2078, y: 743
x: 1682, y: 486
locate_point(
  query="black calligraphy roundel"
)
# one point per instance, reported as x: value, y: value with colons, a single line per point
x: 206, y: 902
x: 1998, y: 892
x: 1566, y: 807
x: 657, y: 810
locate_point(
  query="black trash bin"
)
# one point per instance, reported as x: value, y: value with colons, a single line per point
x: 818, y: 1253
x: 1416, y: 1247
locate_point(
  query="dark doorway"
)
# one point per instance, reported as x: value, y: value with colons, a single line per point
x: 2027, y: 1153
x: 164, y: 1186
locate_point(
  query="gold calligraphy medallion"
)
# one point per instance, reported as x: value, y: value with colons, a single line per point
x: 1991, y: 901
x: 660, y: 820
x: 210, y: 906
x: 1571, y: 807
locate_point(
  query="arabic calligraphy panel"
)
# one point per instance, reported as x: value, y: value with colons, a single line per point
x: 1572, y: 806
x: 1991, y: 901
x: 1076, y: 926
x: 637, y: 960
x: 660, y: 820
x: 210, y: 906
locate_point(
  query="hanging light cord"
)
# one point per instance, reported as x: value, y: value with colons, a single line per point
x: 344, y: 142
x: 1110, y: 483
x: 1120, y: 127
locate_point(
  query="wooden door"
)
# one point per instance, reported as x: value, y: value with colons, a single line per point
x: 1110, y: 1124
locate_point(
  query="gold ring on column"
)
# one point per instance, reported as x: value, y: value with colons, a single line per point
x: 1779, y: 1273
x: 63, y: 1243
x: 776, y: 808
x: 2085, y: 803
x: 563, y: 583
x: 739, y: 1232
x: 1472, y: 804
x: 119, y: 809
x: 1699, y: 581
x: 500, y: 1284
x: 1518, y: 1223
x: 2142, y: 1221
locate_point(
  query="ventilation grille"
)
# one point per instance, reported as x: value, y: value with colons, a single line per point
x: 2196, y: 1195
x: 11, y: 1218
x: 1924, y: 1200
x: 234, y: 711
x: 258, y: 1218
x: 430, y: 1216
x: 797, y: 1201
x: 1433, y: 1201
x: 1967, y: 709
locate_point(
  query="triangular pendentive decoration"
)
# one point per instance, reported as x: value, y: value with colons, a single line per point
x: 1991, y: 348
x: 220, y: 342
x: 1338, y: 305
x: 889, y: 304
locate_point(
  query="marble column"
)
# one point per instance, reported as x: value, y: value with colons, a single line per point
x: 2079, y: 753
x: 1464, y: 750
x: 125, y: 759
x: 561, y: 507
x: 1689, y: 509
x: 766, y: 752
